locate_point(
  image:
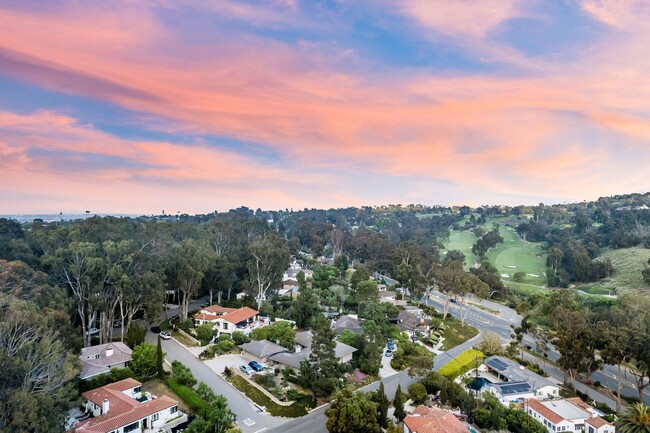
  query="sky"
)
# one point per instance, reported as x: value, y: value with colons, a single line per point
x: 140, y: 106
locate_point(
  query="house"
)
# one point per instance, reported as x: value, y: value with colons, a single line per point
x: 228, y: 320
x: 515, y: 383
x: 408, y: 322
x: 261, y: 350
x: 101, y: 359
x: 389, y: 296
x: 570, y: 414
x: 347, y: 323
x: 121, y: 407
x: 342, y: 352
x: 429, y: 420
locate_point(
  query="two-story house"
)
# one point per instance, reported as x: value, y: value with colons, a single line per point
x: 568, y: 415
x: 228, y: 320
x: 101, y: 359
x: 122, y: 407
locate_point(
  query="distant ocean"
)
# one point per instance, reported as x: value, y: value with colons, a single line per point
x: 27, y: 218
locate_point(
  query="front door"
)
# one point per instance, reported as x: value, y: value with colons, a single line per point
x: 144, y: 423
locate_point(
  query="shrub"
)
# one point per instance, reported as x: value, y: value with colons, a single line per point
x: 297, y: 409
x: 417, y: 393
x: 183, y: 374
x: 205, y: 333
x: 461, y: 364
x: 115, y: 375
x: 188, y: 395
x: 135, y: 335
x: 186, y: 325
x: 240, y: 338
x: 144, y: 363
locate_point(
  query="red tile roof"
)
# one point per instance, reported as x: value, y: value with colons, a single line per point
x: 112, y: 421
x: 207, y: 317
x: 218, y: 309
x: 597, y: 422
x: 123, y: 409
x: 240, y: 315
x: 429, y: 420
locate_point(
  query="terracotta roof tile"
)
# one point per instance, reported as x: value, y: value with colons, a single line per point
x: 547, y: 413
x: 112, y: 421
x: 429, y: 420
x: 597, y: 422
x: 240, y: 315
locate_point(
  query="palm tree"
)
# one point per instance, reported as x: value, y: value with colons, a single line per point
x: 635, y: 419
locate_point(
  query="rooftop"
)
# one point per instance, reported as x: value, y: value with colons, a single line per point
x: 429, y: 420
x: 556, y: 411
x: 516, y: 375
x: 262, y: 348
x: 98, y: 359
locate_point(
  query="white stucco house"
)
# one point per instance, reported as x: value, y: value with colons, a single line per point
x: 228, y: 320
x: 121, y: 407
x: 516, y: 383
x: 568, y: 415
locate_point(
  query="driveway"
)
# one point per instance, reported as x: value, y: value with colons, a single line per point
x: 220, y: 362
x: 386, y: 370
x: 249, y: 418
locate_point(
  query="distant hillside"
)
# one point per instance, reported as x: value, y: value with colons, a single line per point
x: 628, y: 263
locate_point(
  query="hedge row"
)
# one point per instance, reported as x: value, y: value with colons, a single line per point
x: 188, y: 395
x: 461, y: 364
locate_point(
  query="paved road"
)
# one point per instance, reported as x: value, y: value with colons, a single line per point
x: 501, y: 325
x: 315, y: 421
x: 240, y: 405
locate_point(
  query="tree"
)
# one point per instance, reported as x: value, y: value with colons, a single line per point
x: 280, y: 332
x: 635, y: 419
x: 382, y: 406
x: 490, y: 344
x: 306, y: 305
x: 417, y: 392
x: 270, y: 258
x: 325, y: 366
x: 392, y: 428
x: 574, y: 341
x: 216, y: 418
x: 352, y: 412
x: 188, y: 261
x: 144, y: 363
x: 135, y: 335
x: 616, y: 351
x: 398, y: 402
x: 205, y: 332
x: 36, y: 370
x: 160, y: 357
x: 183, y: 374
x: 373, y: 347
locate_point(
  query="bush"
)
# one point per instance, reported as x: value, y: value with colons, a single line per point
x: 183, y: 374
x: 461, y: 364
x: 240, y: 338
x: 205, y: 333
x: 188, y: 395
x: 135, y: 335
x: 145, y: 357
x: 297, y: 409
x: 417, y: 393
x: 186, y: 325
x: 115, y: 375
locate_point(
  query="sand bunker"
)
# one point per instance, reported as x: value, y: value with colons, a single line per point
x: 505, y: 276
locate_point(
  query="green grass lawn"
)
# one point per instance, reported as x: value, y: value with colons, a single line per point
x: 456, y: 334
x: 627, y: 278
x: 462, y: 241
x: 297, y: 409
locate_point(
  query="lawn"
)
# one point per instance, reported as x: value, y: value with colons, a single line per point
x: 158, y: 388
x: 463, y: 241
x: 627, y: 278
x: 297, y: 409
x: 515, y: 255
x: 181, y: 338
x: 461, y: 364
x: 456, y: 334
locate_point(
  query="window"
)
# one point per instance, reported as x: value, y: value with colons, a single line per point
x: 137, y: 390
x: 173, y: 409
x: 131, y: 427
x: 154, y: 417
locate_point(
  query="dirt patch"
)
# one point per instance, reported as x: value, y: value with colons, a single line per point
x: 157, y: 388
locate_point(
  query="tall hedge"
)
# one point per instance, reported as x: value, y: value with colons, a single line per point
x: 462, y: 364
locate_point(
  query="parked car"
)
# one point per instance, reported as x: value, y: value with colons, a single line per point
x: 165, y: 335
x: 453, y: 300
x: 246, y: 369
x: 391, y: 346
x: 92, y: 331
x: 155, y: 329
x: 117, y: 324
x: 256, y: 366
x: 204, y: 304
x: 389, y: 353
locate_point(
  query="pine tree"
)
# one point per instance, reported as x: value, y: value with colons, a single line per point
x: 159, y: 360
x: 398, y: 402
x: 326, y: 368
x: 382, y: 406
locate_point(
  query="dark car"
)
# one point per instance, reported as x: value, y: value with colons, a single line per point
x: 453, y: 300
x: 155, y: 329
x: 256, y: 366
x: 117, y: 324
x: 389, y: 353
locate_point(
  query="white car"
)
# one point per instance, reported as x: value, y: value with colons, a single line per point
x: 246, y: 369
x: 92, y: 331
x: 165, y: 335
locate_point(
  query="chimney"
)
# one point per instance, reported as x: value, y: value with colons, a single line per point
x: 105, y: 406
x: 298, y: 348
x: 109, y: 352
